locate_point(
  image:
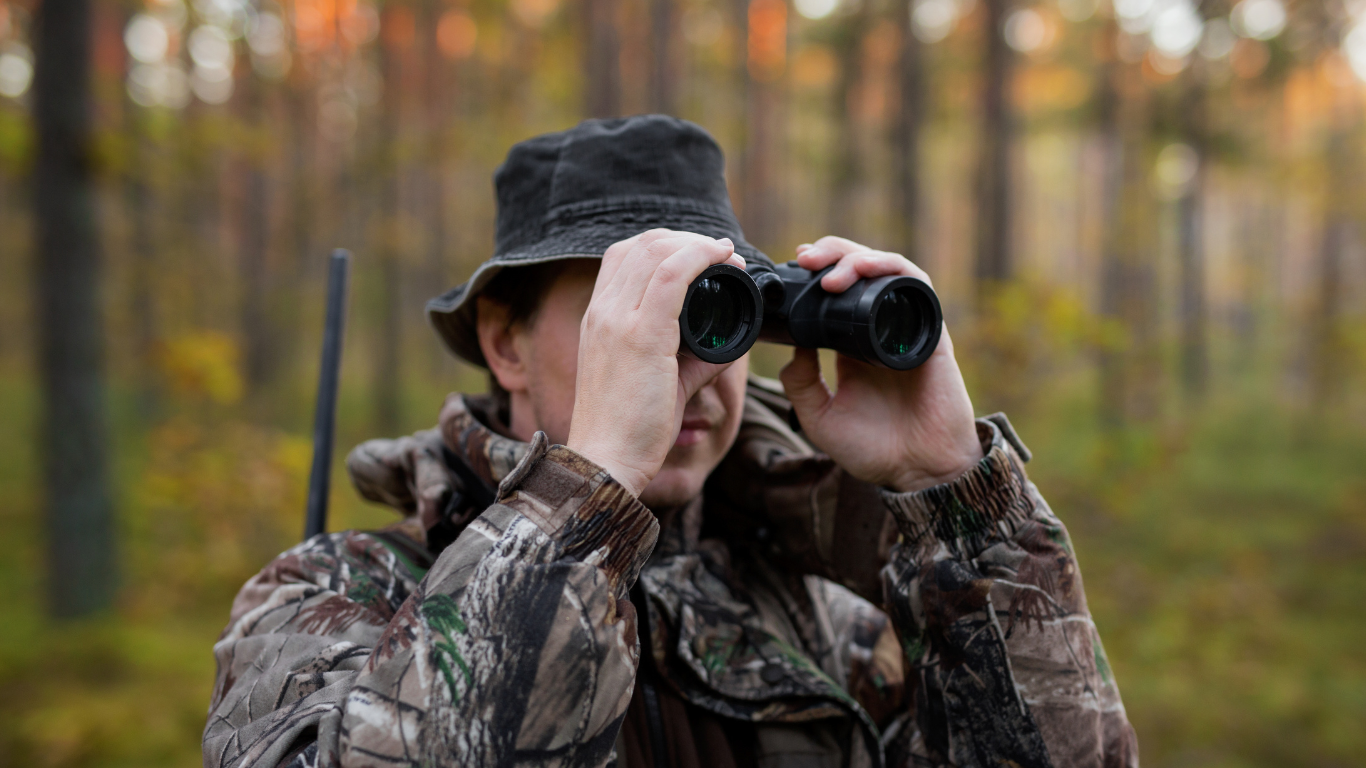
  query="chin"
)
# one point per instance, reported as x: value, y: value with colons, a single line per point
x: 673, y: 487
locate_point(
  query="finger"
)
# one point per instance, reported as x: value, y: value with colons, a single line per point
x: 611, y: 263
x: 805, y: 387
x: 827, y: 251
x: 669, y: 284
x: 868, y: 264
x: 645, y: 260
x: 619, y: 253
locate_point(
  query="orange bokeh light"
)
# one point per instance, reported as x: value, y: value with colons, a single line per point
x: 456, y: 33
x: 340, y: 24
x: 767, y: 39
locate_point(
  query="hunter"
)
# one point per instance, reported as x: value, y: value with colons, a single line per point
x: 624, y: 556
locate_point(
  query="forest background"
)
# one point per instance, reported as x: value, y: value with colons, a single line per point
x: 1144, y: 219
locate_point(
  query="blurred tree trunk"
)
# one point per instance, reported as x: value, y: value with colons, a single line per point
x: 1338, y: 230
x: 663, y: 71
x: 137, y: 196
x: 1191, y: 249
x: 845, y: 172
x: 437, y: 101
x: 761, y: 205
x: 387, y: 359
x: 993, y: 264
x: 762, y: 24
x: 1258, y: 229
x: 253, y: 236
x: 301, y: 218
x: 1110, y: 356
x: 1129, y: 357
x: 906, y: 132
x: 302, y: 262
x: 601, y: 59
x: 80, y: 516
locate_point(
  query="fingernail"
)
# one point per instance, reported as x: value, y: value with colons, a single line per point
x: 726, y: 241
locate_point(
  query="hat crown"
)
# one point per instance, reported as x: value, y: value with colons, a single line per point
x: 574, y: 193
x: 649, y: 162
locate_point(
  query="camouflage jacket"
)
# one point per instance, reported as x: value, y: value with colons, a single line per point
x: 831, y: 622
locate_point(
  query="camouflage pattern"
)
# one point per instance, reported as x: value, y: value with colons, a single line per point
x: 987, y: 597
x: 376, y: 670
x: 945, y: 627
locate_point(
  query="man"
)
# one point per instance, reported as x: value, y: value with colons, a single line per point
x: 612, y: 496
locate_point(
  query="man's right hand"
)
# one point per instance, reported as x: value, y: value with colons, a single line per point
x: 632, y: 385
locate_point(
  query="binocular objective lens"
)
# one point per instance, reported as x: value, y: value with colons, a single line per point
x: 900, y: 322
x: 714, y: 312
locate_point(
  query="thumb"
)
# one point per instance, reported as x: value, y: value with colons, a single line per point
x: 804, y: 386
x: 694, y: 374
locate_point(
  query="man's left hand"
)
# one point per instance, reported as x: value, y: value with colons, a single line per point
x: 906, y: 430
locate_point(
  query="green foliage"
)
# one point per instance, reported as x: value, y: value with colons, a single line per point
x: 16, y: 141
x: 1224, y: 569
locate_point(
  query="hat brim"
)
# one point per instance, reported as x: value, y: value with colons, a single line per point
x: 452, y: 314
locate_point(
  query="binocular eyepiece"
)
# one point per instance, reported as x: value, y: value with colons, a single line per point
x: 893, y: 322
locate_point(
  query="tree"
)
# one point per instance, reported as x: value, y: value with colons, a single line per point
x: 1339, y: 229
x: 80, y: 516
x: 1191, y: 251
x: 1129, y: 353
x: 763, y: 25
x: 845, y: 170
x: 252, y: 237
x: 398, y: 33
x: 142, y: 257
x: 993, y: 264
x: 663, y: 78
x: 436, y: 100
x: 906, y: 131
x: 601, y: 59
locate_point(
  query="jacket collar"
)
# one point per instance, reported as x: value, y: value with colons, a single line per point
x: 472, y: 430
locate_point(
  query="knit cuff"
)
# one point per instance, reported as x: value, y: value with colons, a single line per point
x: 984, y: 503
x: 577, y: 503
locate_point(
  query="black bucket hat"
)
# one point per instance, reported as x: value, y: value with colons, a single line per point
x: 574, y: 193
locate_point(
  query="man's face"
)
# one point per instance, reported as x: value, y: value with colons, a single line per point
x: 549, y: 350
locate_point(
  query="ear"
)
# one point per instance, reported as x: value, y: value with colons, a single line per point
x: 499, y: 344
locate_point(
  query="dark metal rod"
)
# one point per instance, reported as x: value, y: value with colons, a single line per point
x: 325, y: 412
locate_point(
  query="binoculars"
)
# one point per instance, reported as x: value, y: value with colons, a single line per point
x: 892, y: 322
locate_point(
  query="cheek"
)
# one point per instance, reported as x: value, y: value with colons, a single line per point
x: 562, y: 353
x: 554, y: 368
x: 730, y: 387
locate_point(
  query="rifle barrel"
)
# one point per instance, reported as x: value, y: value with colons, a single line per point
x: 325, y: 412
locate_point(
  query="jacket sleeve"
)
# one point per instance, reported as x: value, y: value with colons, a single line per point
x: 518, y: 646
x: 985, y: 593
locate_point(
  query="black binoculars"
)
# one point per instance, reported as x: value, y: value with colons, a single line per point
x: 893, y: 322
